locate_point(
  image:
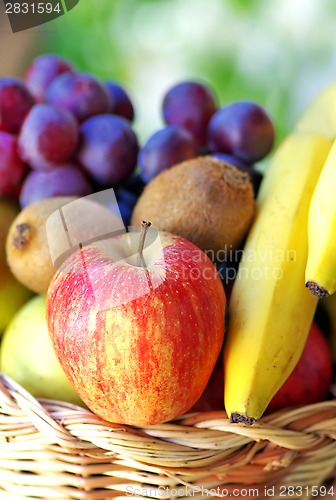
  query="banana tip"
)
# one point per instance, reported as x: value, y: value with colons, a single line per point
x: 237, y: 417
x: 317, y: 290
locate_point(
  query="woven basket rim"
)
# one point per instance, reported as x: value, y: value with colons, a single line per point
x: 82, y: 456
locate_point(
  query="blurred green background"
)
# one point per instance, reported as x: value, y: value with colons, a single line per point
x: 279, y: 53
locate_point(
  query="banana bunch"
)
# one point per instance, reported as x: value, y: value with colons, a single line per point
x: 271, y: 310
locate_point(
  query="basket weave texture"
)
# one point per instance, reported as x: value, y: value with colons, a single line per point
x: 51, y: 449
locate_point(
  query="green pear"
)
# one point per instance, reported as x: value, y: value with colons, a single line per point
x: 12, y: 293
x: 28, y: 357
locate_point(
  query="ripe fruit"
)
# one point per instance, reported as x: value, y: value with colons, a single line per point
x: 165, y: 148
x: 80, y: 93
x: 190, y: 105
x: 242, y: 129
x: 12, y: 168
x: 65, y: 179
x: 41, y: 236
x: 49, y: 135
x: 108, y: 149
x: 15, y: 103
x: 203, y: 199
x: 28, y: 357
x: 320, y: 275
x: 42, y: 71
x: 120, y: 102
x: 169, y: 297
x: 311, y: 379
x: 270, y: 309
x: 27, y: 247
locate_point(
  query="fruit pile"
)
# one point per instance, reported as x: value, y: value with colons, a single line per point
x: 133, y: 324
x: 64, y: 132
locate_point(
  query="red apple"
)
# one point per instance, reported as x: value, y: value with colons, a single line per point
x: 138, y: 339
x: 311, y: 379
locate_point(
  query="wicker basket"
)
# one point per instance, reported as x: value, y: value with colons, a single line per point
x: 50, y: 449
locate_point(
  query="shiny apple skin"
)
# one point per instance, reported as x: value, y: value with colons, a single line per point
x: 144, y: 360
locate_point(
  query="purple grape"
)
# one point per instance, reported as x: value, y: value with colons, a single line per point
x: 12, y: 168
x: 190, y: 105
x: 64, y: 180
x: 80, y: 93
x: 242, y: 129
x: 108, y: 149
x: 255, y: 175
x: 165, y: 148
x: 120, y: 102
x: 48, y: 135
x: 42, y: 71
x: 15, y: 103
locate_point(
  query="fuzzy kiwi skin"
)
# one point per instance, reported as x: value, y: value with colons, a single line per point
x: 205, y: 200
x: 27, y: 245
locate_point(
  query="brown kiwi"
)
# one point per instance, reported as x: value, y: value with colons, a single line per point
x: 33, y: 252
x: 203, y: 199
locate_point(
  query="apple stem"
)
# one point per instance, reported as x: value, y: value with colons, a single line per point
x: 144, y: 228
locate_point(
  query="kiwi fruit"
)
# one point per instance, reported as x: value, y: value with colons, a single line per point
x: 41, y: 236
x: 205, y: 200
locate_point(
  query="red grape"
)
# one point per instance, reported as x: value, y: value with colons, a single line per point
x: 48, y: 135
x: 80, y: 93
x: 64, y: 180
x: 108, y: 149
x: 165, y: 148
x: 242, y: 129
x: 42, y: 71
x: 15, y: 103
x: 120, y: 102
x: 12, y: 168
x: 190, y: 105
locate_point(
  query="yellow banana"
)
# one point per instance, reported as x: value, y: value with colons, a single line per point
x: 270, y: 311
x: 320, y: 115
x: 321, y: 263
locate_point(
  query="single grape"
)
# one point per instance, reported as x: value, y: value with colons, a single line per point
x: 120, y: 102
x: 108, y: 149
x: 48, y: 135
x: 15, y: 103
x: 242, y: 129
x: 255, y: 175
x: 190, y: 105
x: 42, y: 71
x: 12, y: 168
x: 165, y: 148
x: 64, y: 180
x: 80, y: 93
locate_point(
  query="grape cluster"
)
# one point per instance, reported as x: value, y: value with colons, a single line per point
x: 240, y: 133
x: 65, y: 132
